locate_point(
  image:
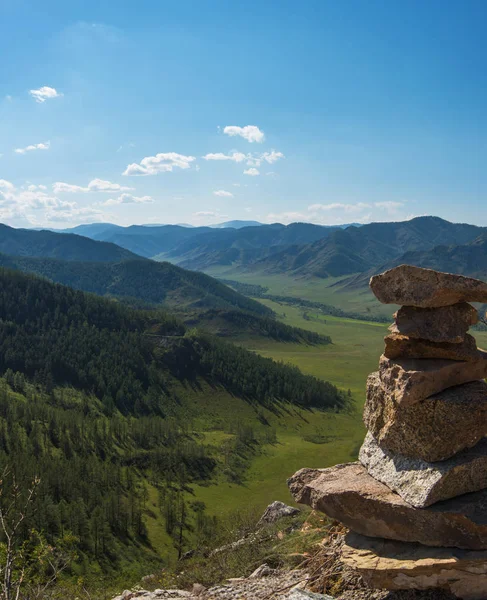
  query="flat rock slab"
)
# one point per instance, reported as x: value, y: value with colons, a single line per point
x: 432, y: 430
x: 411, y: 380
x: 422, y: 483
x: 444, y: 324
x: 367, y: 506
x: 401, y: 346
x: 413, y: 286
x: 391, y: 565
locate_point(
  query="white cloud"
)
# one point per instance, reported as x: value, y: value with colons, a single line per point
x: 251, y: 133
x: 234, y: 156
x: 223, y: 194
x: 101, y: 185
x: 44, y: 93
x: 75, y: 214
x: 128, y: 199
x: 41, y: 146
x: 8, y: 98
x: 33, y: 205
x: 272, y: 156
x: 60, y: 187
x: 252, y: 172
x: 95, y: 185
x: 6, y: 185
x: 160, y: 163
x: 251, y: 159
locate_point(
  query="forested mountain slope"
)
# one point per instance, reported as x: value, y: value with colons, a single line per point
x: 28, y: 242
x: 93, y: 401
x: 158, y: 283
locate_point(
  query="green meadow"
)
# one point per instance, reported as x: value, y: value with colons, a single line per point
x: 304, y: 438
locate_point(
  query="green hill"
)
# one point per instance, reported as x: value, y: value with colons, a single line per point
x: 28, y: 242
x: 147, y: 281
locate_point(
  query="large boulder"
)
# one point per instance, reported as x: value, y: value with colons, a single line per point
x: 413, y: 286
x: 410, y: 380
x: 432, y: 430
x: 422, y: 483
x: 350, y: 495
x: 389, y: 565
x: 445, y: 324
x: 402, y: 346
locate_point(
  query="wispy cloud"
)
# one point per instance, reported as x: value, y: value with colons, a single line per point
x: 252, y: 159
x: 95, y: 185
x: 128, y: 199
x: 234, y: 156
x: 253, y: 172
x: 160, y: 163
x: 251, y: 133
x: 223, y: 194
x: 41, y: 146
x: 44, y: 93
x: 349, y: 208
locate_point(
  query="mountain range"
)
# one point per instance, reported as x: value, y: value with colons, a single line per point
x: 114, y: 260
x: 301, y: 249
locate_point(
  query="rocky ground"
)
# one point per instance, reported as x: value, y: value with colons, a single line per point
x: 272, y: 584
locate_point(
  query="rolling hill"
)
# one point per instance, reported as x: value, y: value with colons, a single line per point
x: 29, y: 242
x: 156, y: 283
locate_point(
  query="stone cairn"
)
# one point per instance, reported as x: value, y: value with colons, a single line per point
x: 416, y: 502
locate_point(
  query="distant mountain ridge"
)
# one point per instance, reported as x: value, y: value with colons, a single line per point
x: 231, y: 243
x: 303, y: 249
x: 357, y: 250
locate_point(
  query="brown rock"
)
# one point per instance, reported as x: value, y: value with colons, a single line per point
x: 401, y: 346
x: 444, y: 324
x: 434, y: 429
x: 413, y: 286
x: 384, y: 564
x: 410, y: 380
x: 422, y: 483
x: 350, y: 495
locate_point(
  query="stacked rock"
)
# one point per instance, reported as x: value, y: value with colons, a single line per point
x: 416, y: 502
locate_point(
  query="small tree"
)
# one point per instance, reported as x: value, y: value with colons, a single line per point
x: 28, y: 564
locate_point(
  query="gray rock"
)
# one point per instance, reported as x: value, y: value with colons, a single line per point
x: 389, y: 565
x: 413, y: 286
x: 432, y: 430
x: 350, y: 495
x: 444, y: 324
x: 262, y: 571
x: 198, y: 589
x: 424, y: 483
x: 410, y: 380
x: 276, y: 511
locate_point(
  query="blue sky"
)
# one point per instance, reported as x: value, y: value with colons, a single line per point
x: 202, y: 111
